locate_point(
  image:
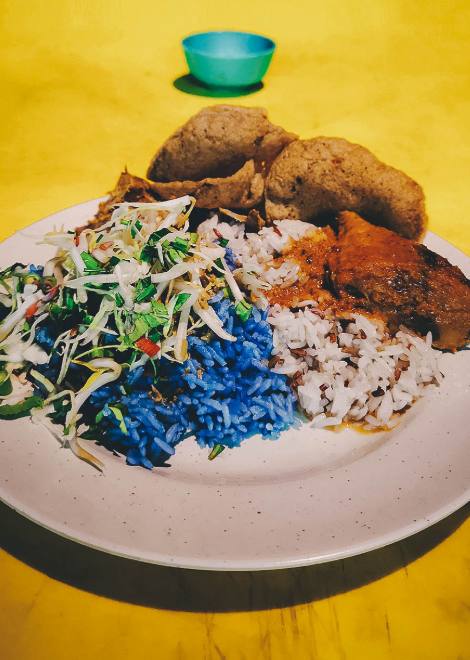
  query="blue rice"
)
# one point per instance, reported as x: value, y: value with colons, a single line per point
x: 223, y: 394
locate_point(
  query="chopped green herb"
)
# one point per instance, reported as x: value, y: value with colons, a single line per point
x: 160, y: 312
x: 119, y: 416
x: 157, y: 266
x: 113, y: 261
x: 56, y: 311
x: 223, y: 242
x: 21, y: 409
x: 61, y: 408
x: 118, y: 321
x: 216, y: 450
x: 181, y: 245
x: 91, y: 264
x: 181, y: 298
x: 31, y: 278
x: 173, y: 256
x: 148, y: 254
x: 58, y: 404
x: 152, y: 321
x: 243, y: 310
x: 146, y: 293
x: 140, y: 328
x: 154, y: 334
x: 6, y: 387
x: 61, y: 405
x: 157, y: 235
x: 119, y: 299
x: 97, y: 351
x: 103, y: 286
x: 135, y: 228
x: 69, y: 302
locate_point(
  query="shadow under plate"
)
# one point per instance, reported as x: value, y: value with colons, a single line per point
x: 205, y: 591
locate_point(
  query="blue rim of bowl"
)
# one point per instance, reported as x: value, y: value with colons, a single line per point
x: 264, y: 51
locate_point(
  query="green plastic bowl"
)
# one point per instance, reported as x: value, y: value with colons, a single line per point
x: 228, y: 59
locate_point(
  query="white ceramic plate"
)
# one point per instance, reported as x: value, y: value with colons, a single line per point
x: 310, y: 497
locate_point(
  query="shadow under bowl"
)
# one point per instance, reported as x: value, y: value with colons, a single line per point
x: 191, y: 85
x: 228, y: 59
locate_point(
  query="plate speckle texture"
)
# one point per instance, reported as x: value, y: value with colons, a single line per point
x: 311, y: 496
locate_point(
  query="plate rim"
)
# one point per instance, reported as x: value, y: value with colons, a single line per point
x: 247, y: 566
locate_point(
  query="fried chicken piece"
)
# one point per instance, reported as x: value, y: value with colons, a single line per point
x: 129, y: 188
x: 403, y: 281
x: 314, y: 179
x: 242, y: 190
x: 216, y: 142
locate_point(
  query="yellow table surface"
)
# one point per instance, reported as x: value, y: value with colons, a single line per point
x: 86, y: 87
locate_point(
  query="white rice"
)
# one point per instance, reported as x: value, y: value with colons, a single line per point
x: 255, y: 253
x: 351, y: 374
x: 343, y: 371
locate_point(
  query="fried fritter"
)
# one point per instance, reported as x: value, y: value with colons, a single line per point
x: 242, y: 190
x: 129, y: 188
x: 403, y: 281
x: 315, y: 179
x: 216, y: 142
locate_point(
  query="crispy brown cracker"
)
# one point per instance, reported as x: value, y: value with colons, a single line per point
x: 128, y: 188
x: 242, y: 190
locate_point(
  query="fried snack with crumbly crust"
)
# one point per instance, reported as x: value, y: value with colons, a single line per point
x: 216, y: 142
x: 129, y: 188
x: 242, y: 190
x: 315, y: 179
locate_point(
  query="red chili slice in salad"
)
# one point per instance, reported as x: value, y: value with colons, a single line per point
x: 147, y: 346
x: 31, y: 310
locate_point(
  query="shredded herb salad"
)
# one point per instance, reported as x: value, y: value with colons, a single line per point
x: 126, y: 334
